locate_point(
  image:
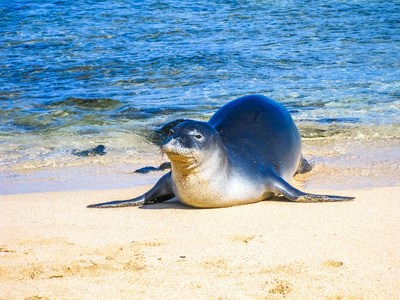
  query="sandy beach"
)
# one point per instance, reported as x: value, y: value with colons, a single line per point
x: 53, y: 247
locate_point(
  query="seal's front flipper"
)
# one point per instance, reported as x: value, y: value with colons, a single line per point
x: 160, y: 192
x: 138, y: 201
x: 280, y: 186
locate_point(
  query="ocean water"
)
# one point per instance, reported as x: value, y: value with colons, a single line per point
x: 76, y: 74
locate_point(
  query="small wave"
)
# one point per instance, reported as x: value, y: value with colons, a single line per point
x: 131, y: 112
x: 81, y: 69
x: 347, y: 130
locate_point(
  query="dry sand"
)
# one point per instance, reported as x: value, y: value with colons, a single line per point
x: 53, y: 247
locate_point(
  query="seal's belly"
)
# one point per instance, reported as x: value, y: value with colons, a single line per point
x: 215, y: 202
x: 194, y: 191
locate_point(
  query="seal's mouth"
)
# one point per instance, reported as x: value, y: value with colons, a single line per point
x: 183, y: 159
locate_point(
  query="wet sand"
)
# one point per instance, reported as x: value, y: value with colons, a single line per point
x: 53, y: 247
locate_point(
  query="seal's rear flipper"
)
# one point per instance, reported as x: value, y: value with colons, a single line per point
x: 304, y: 167
x: 160, y: 192
x: 280, y: 186
x: 307, y: 198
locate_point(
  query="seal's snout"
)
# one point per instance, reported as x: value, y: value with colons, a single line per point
x: 176, y: 144
x: 190, y: 138
x: 177, y: 137
x: 186, y: 139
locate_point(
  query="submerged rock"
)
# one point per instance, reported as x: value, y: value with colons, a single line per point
x: 98, y: 150
x: 162, y: 167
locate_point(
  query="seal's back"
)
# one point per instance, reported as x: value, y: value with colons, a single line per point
x: 259, y: 129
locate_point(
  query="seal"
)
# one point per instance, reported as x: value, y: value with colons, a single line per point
x: 247, y: 152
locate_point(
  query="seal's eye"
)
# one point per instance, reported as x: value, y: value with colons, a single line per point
x: 171, y: 133
x: 198, y: 136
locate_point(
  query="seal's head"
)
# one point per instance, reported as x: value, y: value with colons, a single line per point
x: 192, y: 143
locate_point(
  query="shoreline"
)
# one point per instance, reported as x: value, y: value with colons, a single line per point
x: 337, y: 164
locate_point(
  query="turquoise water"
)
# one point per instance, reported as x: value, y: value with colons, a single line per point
x: 75, y: 74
